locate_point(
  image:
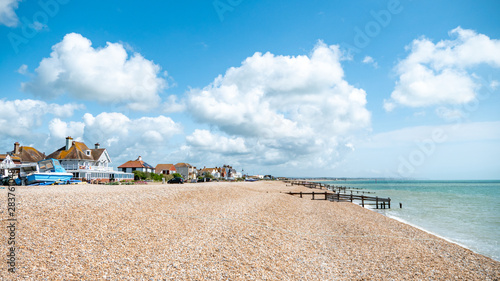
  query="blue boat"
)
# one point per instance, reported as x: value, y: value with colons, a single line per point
x: 49, y: 171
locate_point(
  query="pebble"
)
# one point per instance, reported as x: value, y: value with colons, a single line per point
x: 220, y: 231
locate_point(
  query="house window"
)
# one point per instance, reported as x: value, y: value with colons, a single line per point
x: 87, y: 152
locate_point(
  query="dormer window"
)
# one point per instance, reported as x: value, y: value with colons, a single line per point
x: 88, y: 152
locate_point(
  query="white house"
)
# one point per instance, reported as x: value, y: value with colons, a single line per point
x: 136, y: 165
x: 87, y: 164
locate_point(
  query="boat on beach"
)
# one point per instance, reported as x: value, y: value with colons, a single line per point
x: 44, y: 172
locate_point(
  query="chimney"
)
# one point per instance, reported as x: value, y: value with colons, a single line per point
x: 139, y: 159
x: 69, y: 142
x: 17, y: 150
x: 97, y: 146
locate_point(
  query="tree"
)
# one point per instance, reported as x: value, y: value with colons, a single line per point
x: 177, y: 175
x: 139, y: 175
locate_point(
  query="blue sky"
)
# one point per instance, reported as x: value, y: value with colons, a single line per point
x: 289, y: 88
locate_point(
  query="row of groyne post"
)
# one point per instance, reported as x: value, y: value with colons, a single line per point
x: 340, y: 194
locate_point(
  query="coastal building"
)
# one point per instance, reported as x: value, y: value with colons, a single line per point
x: 187, y: 171
x: 24, y: 154
x: 165, y: 169
x: 87, y: 164
x: 136, y: 165
x: 214, y: 172
x: 227, y: 172
x: 6, y: 158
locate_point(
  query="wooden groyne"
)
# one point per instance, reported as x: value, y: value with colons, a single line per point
x: 331, y: 187
x: 337, y: 196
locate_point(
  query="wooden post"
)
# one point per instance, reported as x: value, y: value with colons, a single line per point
x: 338, y: 197
x: 389, y: 202
x: 363, y: 201
x: 376, y: 202
x: 301, y: 194
x: 325, y: 195
x: 351, y: 196
x: 313, y: 196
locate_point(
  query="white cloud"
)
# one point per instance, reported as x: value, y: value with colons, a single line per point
x: 20, y: 118
x: 450, y: 114
x: 23, y: 69
x: 204, y: 140
x: 7, y: 15
x: 439, y: 74
x: 105, y: 75
x: 127, y: 138
x: 494, y: 84
x: 285, y: 107
x: 59, y: 130
x: 370, y: 60
x: 172, y: 106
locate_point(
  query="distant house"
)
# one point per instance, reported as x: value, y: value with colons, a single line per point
x: 136, y: 165
x: 228, y: 172
x: 165, y: 169
x: 210, y: 171
x: 24, y: 154
x: 187, y: 171
x: 87, y: 164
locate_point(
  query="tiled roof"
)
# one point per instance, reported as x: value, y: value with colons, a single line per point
x: 28, y: 154
x: 15, y: 159
x: 163, y: 167
x: 183, y: 165
x: 135, y: 164
x: 76, y: 152
x: 96, y: 153
x: 208, y: 169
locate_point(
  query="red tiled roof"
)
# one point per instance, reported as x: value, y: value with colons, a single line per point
x: 135, y: 164
x: 163, y: 167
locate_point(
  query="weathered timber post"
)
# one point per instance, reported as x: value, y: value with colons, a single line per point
x: 376, y: 202
x: 301, y: 194
x: 362, y: 200
x: 389, y: 202
x: 325, y: 195
x: 338, y: 197
x: 313, y: 196
x: 351, y: 196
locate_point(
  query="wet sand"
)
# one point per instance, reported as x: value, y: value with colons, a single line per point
x: 219, y: 231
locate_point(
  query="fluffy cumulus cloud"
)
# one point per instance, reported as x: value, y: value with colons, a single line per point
x: 105, y: 75
x: 20, y: 118
x: 7, y: 15
x: 127, y: 138
x: 440, y: 74
x: 59, y: 129
x: 206, y: 141
x: 281, y: 108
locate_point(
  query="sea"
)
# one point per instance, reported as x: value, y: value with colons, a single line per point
x: 463, y: 212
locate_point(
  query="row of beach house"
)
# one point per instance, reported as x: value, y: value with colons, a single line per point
x: 93, y: 164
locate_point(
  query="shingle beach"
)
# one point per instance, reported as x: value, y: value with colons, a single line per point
x: 219, y: 231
